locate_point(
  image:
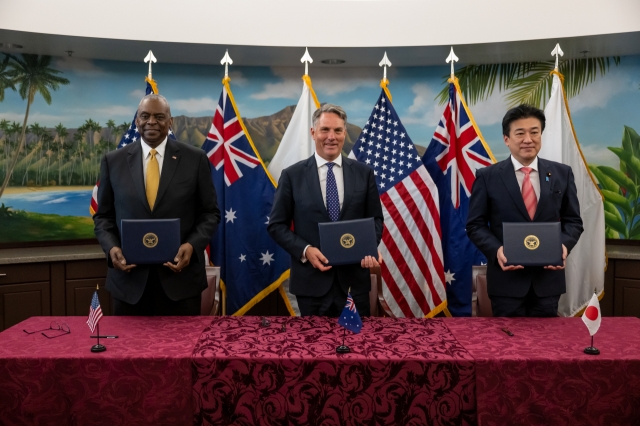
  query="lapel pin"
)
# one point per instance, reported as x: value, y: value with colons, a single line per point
x: 175, y: 158
x: 548, y: 176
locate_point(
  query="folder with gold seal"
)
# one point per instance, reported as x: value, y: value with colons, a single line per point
x: 532, y: 243
x: 149, y: 241
x: 348, y: 241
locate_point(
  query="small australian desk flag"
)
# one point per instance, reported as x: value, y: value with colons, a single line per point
x: 349, y: 318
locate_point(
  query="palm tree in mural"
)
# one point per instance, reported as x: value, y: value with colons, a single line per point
x: 32, y: 75
x: 6, y: 77
x: 47, y: 139
x: 78, y: 139
x: 36, y: 130
x: 111, y: 125
x: 527, y: 82
x: 5, y: 125
x: 62, y: 134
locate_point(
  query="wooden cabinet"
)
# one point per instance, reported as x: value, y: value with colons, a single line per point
x: 25, y: 291
x: 50, y: 288
x: 627, y: 288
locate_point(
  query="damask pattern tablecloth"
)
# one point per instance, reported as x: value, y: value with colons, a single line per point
x: 541, y: 376
x: 143, y: 378
x: 400, y: 372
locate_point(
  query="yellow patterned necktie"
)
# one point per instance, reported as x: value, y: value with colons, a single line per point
x: 153, y: 179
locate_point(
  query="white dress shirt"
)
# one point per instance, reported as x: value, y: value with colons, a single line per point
x: 534, y: 175
x: 146, y: 156
x: 322, y: 175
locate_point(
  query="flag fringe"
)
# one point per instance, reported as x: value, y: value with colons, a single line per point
x: 307, y: 80
x: 264, y: 293
x: 454, y: 80
x: 384, y: 83
x: 284, y: 296
x: 442, y: 307
x: 584, y: 160
x: 153, y: 84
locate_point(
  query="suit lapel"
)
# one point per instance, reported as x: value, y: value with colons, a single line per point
x: 348, y: 178
x: 313, y: 182
x: 545, y: 186
x: 508, y: 175
x: 169, y: 167
x: 135, y: 167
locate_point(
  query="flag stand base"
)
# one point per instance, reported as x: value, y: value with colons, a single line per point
x: 342, y: 349
x: 98, y: 348
x: 592, y: 351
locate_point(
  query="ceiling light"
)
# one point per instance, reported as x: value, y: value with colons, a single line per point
x: 333, y: 61
x: 10, y: 46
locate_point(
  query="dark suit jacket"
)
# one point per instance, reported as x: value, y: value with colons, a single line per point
x: 298, y: 199
x: 496, y: 198
x: 186, y: 192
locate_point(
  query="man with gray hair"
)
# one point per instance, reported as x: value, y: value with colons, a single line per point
x: 326, y: 187
x: 156, y: 178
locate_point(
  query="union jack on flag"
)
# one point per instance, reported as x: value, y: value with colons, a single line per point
x: 95, y: 312
x: 350, y: 318
x: 251, y: 263
x: 130, y: 136
x: 456, y: 151
x: 412, y: 272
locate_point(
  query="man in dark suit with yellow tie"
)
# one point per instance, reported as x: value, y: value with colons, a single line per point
x: 156, y: 178
x: 323, y: 188
x: 523, y: 188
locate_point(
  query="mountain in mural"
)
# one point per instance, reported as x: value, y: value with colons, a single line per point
x: 266, y: 132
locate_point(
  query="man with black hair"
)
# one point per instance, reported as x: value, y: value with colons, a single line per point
x: 523, y: 188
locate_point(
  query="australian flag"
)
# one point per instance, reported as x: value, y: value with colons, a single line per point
x: 130, y: 136
x: 349, y: 318
x: 456, y: 151
x: 251, y: 264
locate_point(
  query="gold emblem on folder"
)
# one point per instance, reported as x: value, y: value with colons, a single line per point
x: 150, y: 240
x: 347, y: 241
x: 531, y: 242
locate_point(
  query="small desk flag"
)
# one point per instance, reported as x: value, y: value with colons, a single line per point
x: 95, y: 312
x: 349, y: 318
x: 592, y: 316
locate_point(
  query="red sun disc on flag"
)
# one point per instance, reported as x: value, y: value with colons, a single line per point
x: 592, y: 313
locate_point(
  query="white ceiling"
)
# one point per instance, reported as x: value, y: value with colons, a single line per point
x: 194, y: 53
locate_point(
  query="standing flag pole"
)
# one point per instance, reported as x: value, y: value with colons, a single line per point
x: 306, y: 60
x: 453, y: 59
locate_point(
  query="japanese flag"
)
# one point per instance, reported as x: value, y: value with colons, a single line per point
x: 591, y: 316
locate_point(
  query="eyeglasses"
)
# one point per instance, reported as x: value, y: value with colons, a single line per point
x: 64, y: 328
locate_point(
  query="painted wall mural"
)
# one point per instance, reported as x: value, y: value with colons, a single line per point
x: 76, y: 110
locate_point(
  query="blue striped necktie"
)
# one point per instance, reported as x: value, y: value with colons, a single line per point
x: 333, y: 201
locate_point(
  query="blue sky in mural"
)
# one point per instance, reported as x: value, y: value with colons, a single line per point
x: 104, y: 90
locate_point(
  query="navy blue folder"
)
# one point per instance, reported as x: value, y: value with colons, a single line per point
x: 532, y: 243
x: 349, y: 241
x: 150, y: 241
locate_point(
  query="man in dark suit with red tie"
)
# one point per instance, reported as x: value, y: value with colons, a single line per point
x: 523, y: 188
x: 156, y: 178
x: 325, y: 187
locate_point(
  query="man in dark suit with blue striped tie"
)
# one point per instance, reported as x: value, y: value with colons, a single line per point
x: 326, y: 187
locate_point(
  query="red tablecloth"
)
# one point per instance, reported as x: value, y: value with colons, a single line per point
x: 143, y: 378
x: 401, y: 372
x: 541, y: 376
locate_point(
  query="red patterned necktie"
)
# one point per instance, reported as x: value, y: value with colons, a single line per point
x: 528, y: 194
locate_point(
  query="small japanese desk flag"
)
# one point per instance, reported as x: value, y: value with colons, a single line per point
x: 591, y: 316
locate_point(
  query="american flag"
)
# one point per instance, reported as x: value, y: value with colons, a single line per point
x: 456, y: 151
x: 412, y: 272
x: 350, y: 318
x: 95, y: 312
x: 252, y: 264
x: 130, y: 136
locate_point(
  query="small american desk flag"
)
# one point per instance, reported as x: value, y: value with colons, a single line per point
x: 95, y: 312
